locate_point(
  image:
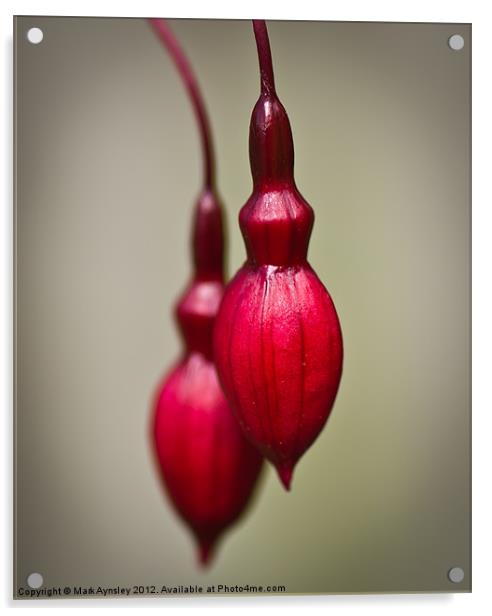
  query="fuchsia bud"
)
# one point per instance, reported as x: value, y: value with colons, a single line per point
x: 207, y: 467
x: 277, y: 340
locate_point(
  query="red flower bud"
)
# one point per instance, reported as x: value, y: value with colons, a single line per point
x: 277, y: 340
x: 207, y: 467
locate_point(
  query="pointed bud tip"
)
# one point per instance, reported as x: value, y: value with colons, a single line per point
x: 205, y: 553
x: 285, y: 473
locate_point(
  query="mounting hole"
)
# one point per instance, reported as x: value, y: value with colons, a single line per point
x: 456, y: 575
x: 35, y: 580
x: 456, y: 42
x: 35, y: 35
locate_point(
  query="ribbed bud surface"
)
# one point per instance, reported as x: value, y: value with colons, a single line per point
x: 209, y: 469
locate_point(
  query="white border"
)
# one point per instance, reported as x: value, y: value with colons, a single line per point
x: 472, y: 11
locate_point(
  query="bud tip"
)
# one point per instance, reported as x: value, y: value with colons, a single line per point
x: 205, y: 552
x: 285, y: 473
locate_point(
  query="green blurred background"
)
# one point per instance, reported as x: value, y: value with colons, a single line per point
x: 107, y: 170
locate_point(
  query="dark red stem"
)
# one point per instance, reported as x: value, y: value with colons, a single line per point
x: 271, y: 150
x: 165, y: 34
x: 198, y: 305
x: 264, y: 56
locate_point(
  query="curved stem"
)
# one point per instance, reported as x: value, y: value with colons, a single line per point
x: 165, y: 34
x: 264, y: 56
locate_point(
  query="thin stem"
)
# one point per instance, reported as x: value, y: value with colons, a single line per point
x: 264, y: 56
x: 163, y: 31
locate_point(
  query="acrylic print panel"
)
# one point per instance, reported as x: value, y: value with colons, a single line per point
x: 108, y: 168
